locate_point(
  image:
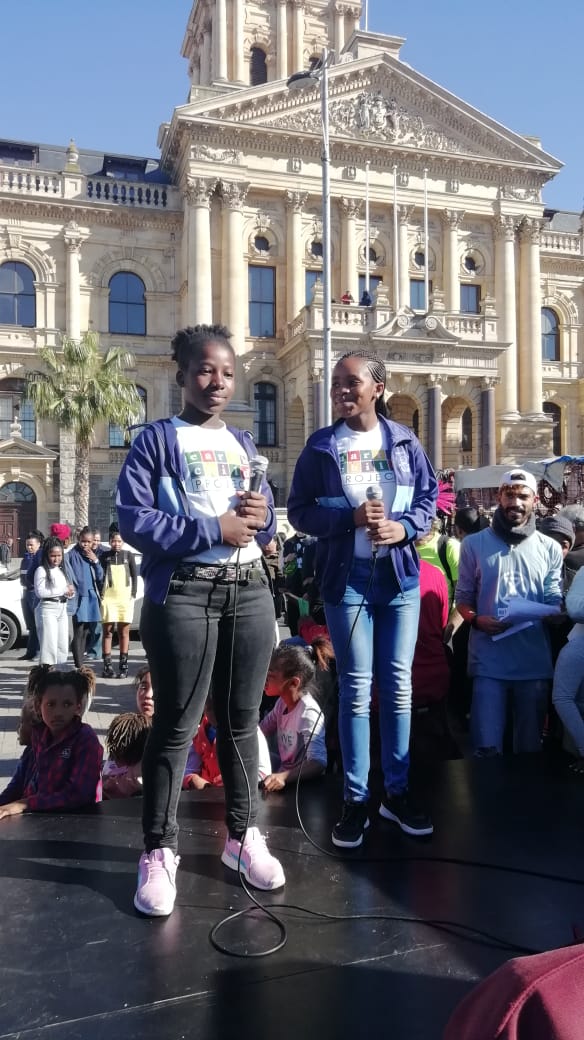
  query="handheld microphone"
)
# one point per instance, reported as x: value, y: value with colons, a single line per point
x: 374, y: 494
x: 258, y: 470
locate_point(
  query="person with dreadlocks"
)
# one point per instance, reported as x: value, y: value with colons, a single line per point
x: 365, y: 489
x: 125, y: 742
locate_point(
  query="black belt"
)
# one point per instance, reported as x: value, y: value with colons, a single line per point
x: 55, y: 599
x: 223, y: 573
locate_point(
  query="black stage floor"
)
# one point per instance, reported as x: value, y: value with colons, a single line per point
x: 78, y: 963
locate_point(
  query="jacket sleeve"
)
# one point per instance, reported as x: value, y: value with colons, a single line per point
x: 552, y: 586
x: 309, y: 509
x: 142, y: 524
x: 15, y: 788
x: 418, y: 518
x: 133, y: 574
x: 83, y: 781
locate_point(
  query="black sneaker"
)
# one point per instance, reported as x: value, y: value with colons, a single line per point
x: 407, y: 815
x: 348, y: 832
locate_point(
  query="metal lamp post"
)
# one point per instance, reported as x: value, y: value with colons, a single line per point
x: 303, y: 80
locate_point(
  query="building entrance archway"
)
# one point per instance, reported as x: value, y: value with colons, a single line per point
x: 18, y: 513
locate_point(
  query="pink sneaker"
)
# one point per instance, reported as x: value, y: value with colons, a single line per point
x: 156, y: 890
x: 258, y: 867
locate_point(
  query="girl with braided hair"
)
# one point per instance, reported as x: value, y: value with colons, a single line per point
x: 365, y: 489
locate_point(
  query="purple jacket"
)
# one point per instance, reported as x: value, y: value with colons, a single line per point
x: 153, y: 508
x: 317, y: 505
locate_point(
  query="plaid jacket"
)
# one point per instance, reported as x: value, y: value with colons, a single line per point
x: 67, y: 773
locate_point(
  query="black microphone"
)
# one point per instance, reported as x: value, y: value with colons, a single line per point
x: 374, y: 494
x: 258, y: 470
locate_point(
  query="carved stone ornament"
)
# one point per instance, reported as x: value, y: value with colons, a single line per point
x: 295, y: 200
x: 372, y: 115
x: 520, y: 194
x: 403, y: 321
x: 233, y: 194
x: 431, y: 323
x: 295, y: 164
x: 198, y: 191
x: 218, y: 155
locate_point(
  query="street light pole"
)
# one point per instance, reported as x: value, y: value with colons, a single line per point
x: 302, y: 80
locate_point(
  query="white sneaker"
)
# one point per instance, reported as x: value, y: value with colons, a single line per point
x: 156, y: 891
x: 258, y: 866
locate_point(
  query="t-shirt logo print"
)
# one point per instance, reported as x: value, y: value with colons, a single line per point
x: 360, y: 465
x: 215, y: 469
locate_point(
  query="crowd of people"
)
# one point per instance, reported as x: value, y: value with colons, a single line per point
x: 399, y: 632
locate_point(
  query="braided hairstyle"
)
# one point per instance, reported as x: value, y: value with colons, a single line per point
x: 188, y: 343
x: 126, y: 738
x: 377, y: 371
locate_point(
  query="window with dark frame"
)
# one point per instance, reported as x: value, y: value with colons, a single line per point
x: 265, y: 425
x: 14, y: 405
x: 127, y: 304
x: 374, y: 281
x: 17, y: 295
x: 258, y: 67
x: 418, y: 294
x: 262, y: 301
x: 550, y: 335
x: 466, y: 430
x: 555, y: 413
x: 470, y: 299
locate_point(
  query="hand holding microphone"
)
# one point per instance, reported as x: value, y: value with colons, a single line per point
x: 253, y: 506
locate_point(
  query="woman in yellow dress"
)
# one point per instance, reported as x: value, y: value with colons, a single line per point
x: 117, y: 601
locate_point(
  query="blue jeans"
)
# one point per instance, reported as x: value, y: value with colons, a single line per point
x: 188, y: 644
x: 488, y: 714
x: 568, y: 691
x: 382, y: 644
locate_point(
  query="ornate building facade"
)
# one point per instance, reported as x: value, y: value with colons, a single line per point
x: 477, y: 291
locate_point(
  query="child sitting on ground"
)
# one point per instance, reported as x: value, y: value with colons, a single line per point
x: 202, y: 768
x: 125, y: 742
x: 65, y: 772
x: 296, y: 724
x: 144, y: 695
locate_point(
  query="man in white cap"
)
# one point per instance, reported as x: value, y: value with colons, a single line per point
x: 510, y: 558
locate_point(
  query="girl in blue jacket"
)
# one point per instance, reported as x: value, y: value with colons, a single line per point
x: 184, y: 502
x: 365, y: 489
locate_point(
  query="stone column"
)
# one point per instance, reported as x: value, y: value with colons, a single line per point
x: 237, y: 41
x: 73, y: 303
x: 282, y: 41
x: 295, y: 281
x: 199, y: 286
x: 435, y: 422
x: 505, y: 228
x: 451, y: 221
x: 220, y: 39
x: 404, y: 214
x: 488, y: 452
x: 234, y: 294
x: 206, y: 63
x: 349, y: 258
x: 530, y: 362
x: 298, y: 36
x: 339, y: 27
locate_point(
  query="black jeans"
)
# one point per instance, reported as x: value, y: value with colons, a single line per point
x: 188, y: 645
x: 81, y: 630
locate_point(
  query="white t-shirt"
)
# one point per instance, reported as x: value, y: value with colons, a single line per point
x: 292, y: 730
x: 365, y: 462
x: 218, y: 466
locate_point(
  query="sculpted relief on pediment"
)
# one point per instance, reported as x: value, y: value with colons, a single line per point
x: 372, y: 116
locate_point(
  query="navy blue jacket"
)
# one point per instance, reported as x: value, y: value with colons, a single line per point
x: 153, y: 507
x: 318, y: 506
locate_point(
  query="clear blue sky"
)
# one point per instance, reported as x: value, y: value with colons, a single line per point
x: 109, y: 73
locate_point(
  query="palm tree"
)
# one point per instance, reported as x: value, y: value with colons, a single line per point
x: 79, y: 388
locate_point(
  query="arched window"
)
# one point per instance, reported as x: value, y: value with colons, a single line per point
x: 555, y: 413
x: 258, y: 69
x: 13, y: 405
x: 127, y: 304
x: 550, y: 335
x: 119, y: 436
x: 264, y: 428
x: 17, y: 295
x: 466, y: 430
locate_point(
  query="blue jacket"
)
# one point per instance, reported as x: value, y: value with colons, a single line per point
x: 73, y: 562
x: 153, y: 507
x: 318, y: 506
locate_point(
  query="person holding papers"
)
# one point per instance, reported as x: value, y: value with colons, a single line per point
x: 507, y: 562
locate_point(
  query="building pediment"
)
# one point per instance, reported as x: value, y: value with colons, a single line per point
x: 19, y: 448
x: 407, y: 326
x: 376, y: 101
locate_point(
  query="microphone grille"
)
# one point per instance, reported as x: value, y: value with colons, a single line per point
x: 374, y: 492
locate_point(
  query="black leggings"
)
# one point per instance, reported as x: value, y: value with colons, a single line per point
x: 81, y: 630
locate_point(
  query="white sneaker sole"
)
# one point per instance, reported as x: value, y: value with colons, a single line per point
x: 278, y: 882
x: 158, y: 911
x: 341, y: 844
x: 419, y: 833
